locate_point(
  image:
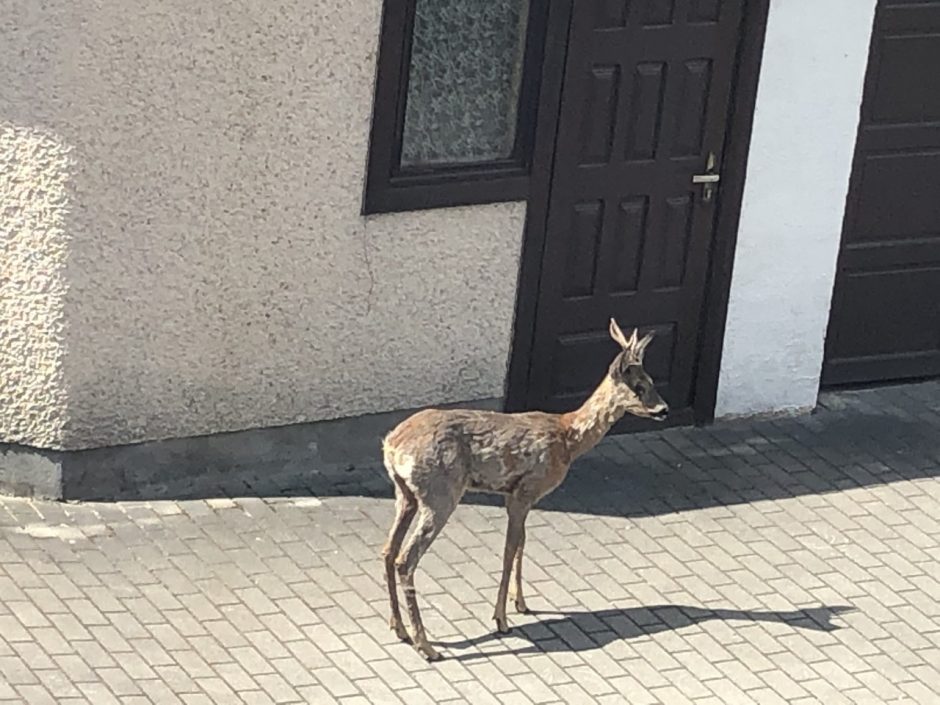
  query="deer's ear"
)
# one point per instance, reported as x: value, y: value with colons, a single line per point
x: 618, y: 335
x: 643, y: 344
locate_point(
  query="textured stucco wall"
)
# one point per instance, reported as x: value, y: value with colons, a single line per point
x: 801, y: 155
x: 182, y: 246
x: 34, y: 201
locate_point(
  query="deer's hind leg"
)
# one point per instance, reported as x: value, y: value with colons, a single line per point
x: 405, y: 507
x: 431, y: 519
x: 515, y: 587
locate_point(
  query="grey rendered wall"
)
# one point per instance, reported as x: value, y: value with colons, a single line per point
x: 180, y: 241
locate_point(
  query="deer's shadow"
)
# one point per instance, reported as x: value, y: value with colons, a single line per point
x: 584, y: 631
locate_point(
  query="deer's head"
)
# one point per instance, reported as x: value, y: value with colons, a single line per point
x: 634, y: 386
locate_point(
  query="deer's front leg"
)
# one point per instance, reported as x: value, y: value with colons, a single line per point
x: 514, y: 535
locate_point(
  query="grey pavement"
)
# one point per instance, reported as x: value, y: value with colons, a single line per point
x: 778, y: 561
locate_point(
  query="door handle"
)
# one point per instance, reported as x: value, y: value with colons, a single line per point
x: 708, y: 180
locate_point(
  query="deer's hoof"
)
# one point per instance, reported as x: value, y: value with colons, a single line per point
x: 521, y: 606
x: 502, y: 626
x: 428, y: 652
x: 400, y: 631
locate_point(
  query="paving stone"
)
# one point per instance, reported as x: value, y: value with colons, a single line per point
x: 36, y: 695
x: 16, y: 671
x: 701, y: 565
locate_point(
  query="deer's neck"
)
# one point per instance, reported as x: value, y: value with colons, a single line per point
x: 588, y: 424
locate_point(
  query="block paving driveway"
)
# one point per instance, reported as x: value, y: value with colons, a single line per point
x: 780, y: 561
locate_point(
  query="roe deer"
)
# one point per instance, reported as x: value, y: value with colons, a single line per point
x: 434, y: 456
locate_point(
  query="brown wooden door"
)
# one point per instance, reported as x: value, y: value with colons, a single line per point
x: 885, y: 320
x: 645, y: 99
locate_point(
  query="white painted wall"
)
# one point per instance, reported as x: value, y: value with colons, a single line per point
x: 801, y: 155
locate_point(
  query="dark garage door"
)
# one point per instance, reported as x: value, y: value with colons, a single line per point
x: 885, y: 321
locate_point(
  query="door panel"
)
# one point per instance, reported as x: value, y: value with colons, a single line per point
x: 885, y: 320
x: 645, y: 99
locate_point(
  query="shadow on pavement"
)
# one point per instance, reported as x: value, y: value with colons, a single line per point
x: 856, y: 439
x: 585, y: 630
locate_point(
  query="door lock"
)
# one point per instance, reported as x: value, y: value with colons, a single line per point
x: 708, y: 180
